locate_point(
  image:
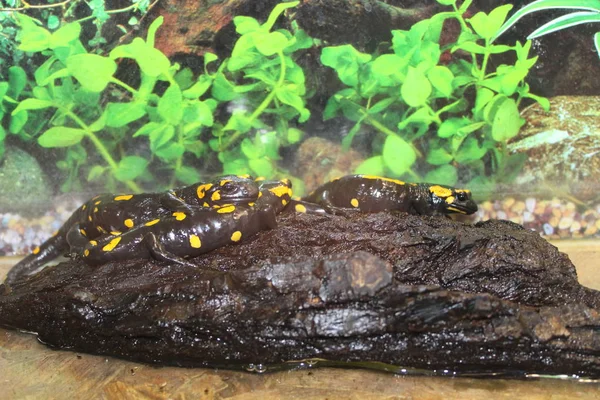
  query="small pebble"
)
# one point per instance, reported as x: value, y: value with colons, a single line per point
x: 565, y: 223
x: 548, y: 229
x: 530, y: 204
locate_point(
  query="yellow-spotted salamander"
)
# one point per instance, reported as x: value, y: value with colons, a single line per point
x: 368, y: 193
x: 189, y: 234
x: 110, y: 214
x: 182, y: 223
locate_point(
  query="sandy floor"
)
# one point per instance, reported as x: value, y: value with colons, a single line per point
x: 31, y: 370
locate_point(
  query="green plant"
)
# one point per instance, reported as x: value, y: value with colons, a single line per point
x: 419, y: 105
x: 99, y: 119
x: 592, y: 14
x: 272, y: 94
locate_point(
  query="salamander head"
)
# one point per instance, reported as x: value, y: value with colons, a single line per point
x: 229, y: 189
x: 448, y: 200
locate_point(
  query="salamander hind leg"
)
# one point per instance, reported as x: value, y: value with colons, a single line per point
x: 159, y: 252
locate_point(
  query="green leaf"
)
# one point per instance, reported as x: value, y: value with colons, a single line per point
x: 208, y: 58
x: 32, y: 104
x: 470, y: 151
x: 65, y: 35
x: 444, y: 175
x: 121, y: 114
x: 187, y: 175
x: 96, y: 172
x: 238, y: 121
x: 416, y: 89
x: 398, y: 155
x: 17, y: 79
x: 470, y: 47
x: 161, y: 138
x: 441, y: 78
x: 33, y: 38
x: 270, y: 43
x: 170, y: 105
x: 147, y: 129
x: 98, y: 124
x: 506, y: 121
x: 451, y: 126
x: 53, y: 22
x: 346, y: 61
x: 222, y: 89
x: 381, y: 105
x: 287, y: 95
x: 17, y: 121
x: 261, y: 167
x: 198, y: 88
x: 541, y: 5
x: 439, y: 156
x: 129, y: 168
x: 483, y: 97
x: 152, y: 61
x: 446, y: 2
x: 250, y: 150
x: 294, y: 135
x: 245, y: 24
x: 199, y: 113
x: 487, y: 26
x: 61, y: 136
x: 371, y: 166
x: 93, y: 72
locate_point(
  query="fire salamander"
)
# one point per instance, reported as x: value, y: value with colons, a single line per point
x: 189, y: 234
x: 114, y: 214
x: 183, y: 223
x: 368, y: 193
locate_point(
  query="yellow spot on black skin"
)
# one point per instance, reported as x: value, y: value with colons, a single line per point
x: 179, y: 216
x: 83, y: 207
x: 281, y: 191
x: 36, y: 250
x: 226, y: 209
x: 237, y: 235
x: 90, y: 218
x: 251, y: 204
x: 450, y: 199
x: 95, y: 209
x: 112, y: 244
x: 224, y: 181
x: 284, y: 202
x: 206, y: 204
x: 83, y: 232
x: 93, y: 243
x: 128, y: 223
x: 115, y: 233
x: 244, y: 176
x: 456, y: 210
x: 98, y: 202
x: 101, y: 229
x: 124, y: 197
x: 216, y: 196
x: 300, y: 208
x: 153, y: 222
x: 195, y: 242
x: 86, y: 252
x: 201, y: 190
x: 396, y: 181
x: 260, y: 178
x: 440, y: 191
x: 354, y: 203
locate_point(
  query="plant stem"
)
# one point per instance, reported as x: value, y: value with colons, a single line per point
x: 100, y: 147
x: 124, y: 86
x: 263, y: 106
x: 27, y: 6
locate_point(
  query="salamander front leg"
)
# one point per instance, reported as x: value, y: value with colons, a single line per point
x: 76, y: 239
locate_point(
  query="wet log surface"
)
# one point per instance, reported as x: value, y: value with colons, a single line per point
x: 405, y: 290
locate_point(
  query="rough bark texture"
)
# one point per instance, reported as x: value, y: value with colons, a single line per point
x: 380, y: 287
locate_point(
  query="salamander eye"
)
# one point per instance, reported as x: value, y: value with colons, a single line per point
x: 461, y: 196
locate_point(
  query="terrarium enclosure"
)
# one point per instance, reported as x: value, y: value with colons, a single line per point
x: 499, y: 100
x: 138, y: 96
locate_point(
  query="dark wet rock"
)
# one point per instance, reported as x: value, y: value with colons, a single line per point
x: 406, y: 290
x: 562, y: 147
x: 25, y: 187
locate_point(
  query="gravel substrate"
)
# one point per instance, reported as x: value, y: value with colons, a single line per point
x: 554, y: 219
